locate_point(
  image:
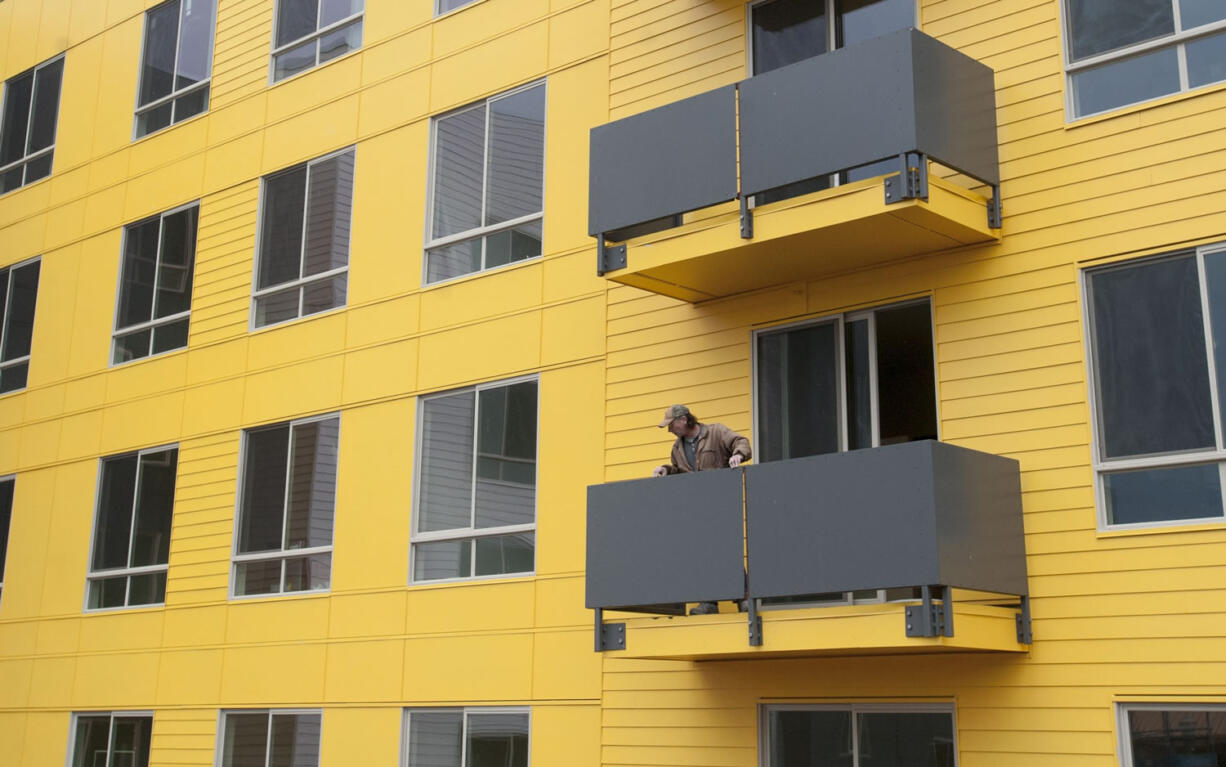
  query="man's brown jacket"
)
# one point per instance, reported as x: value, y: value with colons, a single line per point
x: 716, y: 444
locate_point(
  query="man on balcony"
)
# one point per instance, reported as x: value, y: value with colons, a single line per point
x: 701, y: 446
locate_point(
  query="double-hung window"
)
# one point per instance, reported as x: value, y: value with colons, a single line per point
x: 155, y: 285
x: 476, y: 495
x: 303, y: 262
x: 487, y: 185
x: 136, y: 494
x: 308, y: 33
x: 7, y: 485
x: 18, y: 295
x: 466, y: 737
x: 858, y: 734
x: 783, y: 32
x: 27, y: 129
x: 283, y: 541
x: 111, y: 739
x: 276, y: 738
x: 176, y: 64
x: 1157, y: 329
x: 1171, y: 734
x: 1120, y: 52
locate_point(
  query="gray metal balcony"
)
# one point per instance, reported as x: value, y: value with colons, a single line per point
x: 926, y: 516
x: 903, y: 95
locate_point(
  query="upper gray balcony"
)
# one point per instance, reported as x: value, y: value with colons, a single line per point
x: 903, y: 97
x: 938, y: 527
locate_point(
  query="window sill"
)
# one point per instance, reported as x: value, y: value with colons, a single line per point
x: 1142, y: 106
x: 297, y: 75
x: 454, y: 11
x: 475, y: 275
x: 146, y: 358
x: 125, y: 608
x: 251, y: 330
x: 295, y: 595
x: 1160, y: 528
x: 163, y: 131
x: 452, y: 583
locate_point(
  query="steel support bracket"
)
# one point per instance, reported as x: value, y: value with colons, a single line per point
x: 755, y: 623
x: 929, y: 618
x: 609, y: 258
x: 1024, y: 634
x: 746, y: 219
x: 911, y: 182
x: 609, y: 636
x: 994, y: 210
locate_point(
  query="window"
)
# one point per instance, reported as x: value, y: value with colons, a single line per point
x: 155, y: 285
x: 27, y: 133
x: 1120, y: 52
x: 277, y: 738
x: 783, y: 32
x: 861, y: 380
x: 487, y: 185
x: 102, y: 739
x: 1172, y: 734
x: 176, y: 64
x: 136, y: 494
x: 7, y: 485
x: 444, y: 6
x: 466, y: 737
x: 304, y: 240
x: 863, y: 735
x: 476, y: 502
x: 308, y: 33
x: 1155, y: 366
x: 18, y: 294
x: 284, y: 537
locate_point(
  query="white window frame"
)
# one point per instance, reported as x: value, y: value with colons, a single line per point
x: 299, y: 283
x: 26, y: 159
x: 765, y: 709
x: 831, y: 8
x: 465, y: 712
x: 76, y: 717
x: 351, y: 19
x: 97, y: 575
x: 483, y: 231
x: 204, y: 84
x: 4, y: 318
x: 1099, y: 465
x: 8, y: 534
x: 220, y: 744
x: 157, y: 273
x: 1176, y: 40
x: 439, y: 12
x: 1124, y: 734
x: 470, y: 533
x: 283, y: 553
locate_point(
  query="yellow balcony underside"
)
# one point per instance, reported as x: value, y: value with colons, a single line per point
x: 878, y: 629
x: 824, y: 232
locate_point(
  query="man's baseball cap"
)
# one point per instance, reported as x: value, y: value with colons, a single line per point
x: 673, y: 413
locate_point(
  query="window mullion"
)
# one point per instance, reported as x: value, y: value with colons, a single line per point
x: 485, y: 179
x: 855, y: 737
x: 1207, y: 320
x: 135, y: 506
x: 268, y: 742
x: 840, y: 374
x: 464, y: 737
x: 873, y: 391
x: 157, y: 277
x: 110, y: 739
x: 25, y: 147
x: 472, y: 509
x: 289, y: 471
x: 174, y: 72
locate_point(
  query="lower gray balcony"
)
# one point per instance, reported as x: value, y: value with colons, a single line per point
x: 924, y: 538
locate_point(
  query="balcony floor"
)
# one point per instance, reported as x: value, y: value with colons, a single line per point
x: 876, y: 629
x: 833, y: 230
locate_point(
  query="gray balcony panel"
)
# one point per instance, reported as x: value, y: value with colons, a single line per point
x: 665, y: 540
x: 903, y: 515
x: 897, y: 93
x: 663, y: 162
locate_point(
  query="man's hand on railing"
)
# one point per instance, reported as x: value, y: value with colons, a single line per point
x: 659, y: 471
x: 734, y: 460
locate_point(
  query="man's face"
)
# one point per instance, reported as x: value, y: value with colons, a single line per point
x: 677, y: 426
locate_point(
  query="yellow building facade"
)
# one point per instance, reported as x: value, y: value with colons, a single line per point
x: 321, y: 278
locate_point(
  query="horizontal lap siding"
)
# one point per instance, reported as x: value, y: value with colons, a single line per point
x: 201, y: 539
x: 1136, y: 615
